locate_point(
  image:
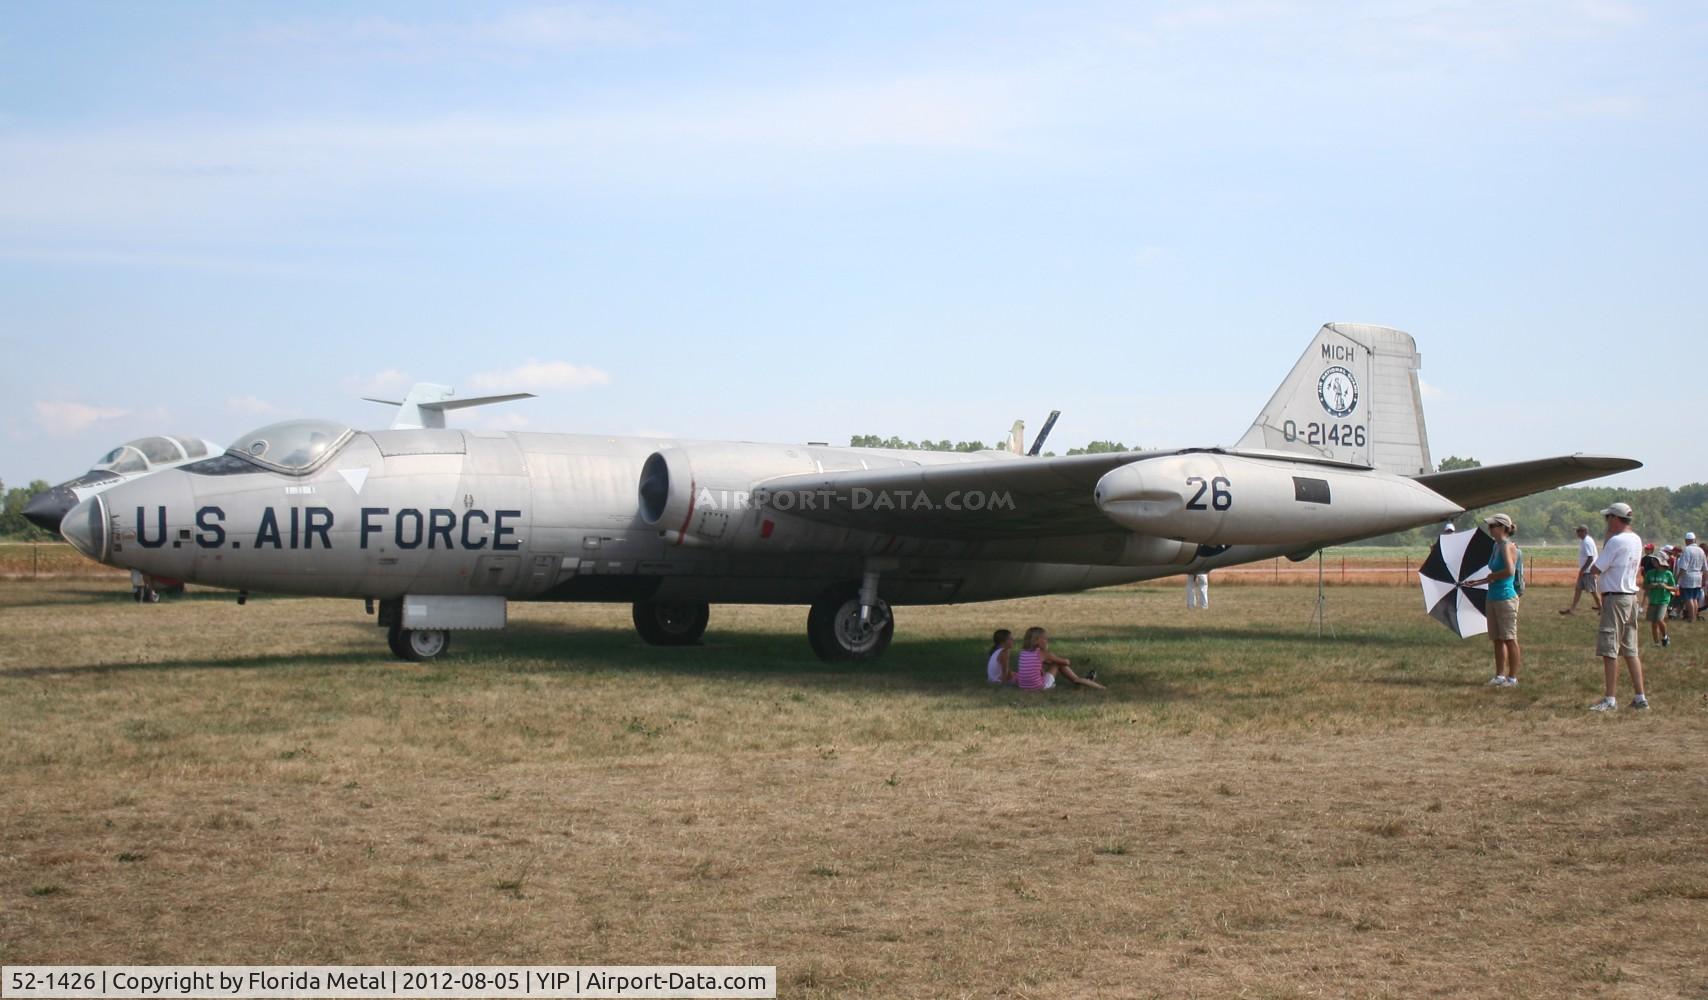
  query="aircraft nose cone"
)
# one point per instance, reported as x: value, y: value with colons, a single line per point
x: 46, y: 509
x: 86, y: 528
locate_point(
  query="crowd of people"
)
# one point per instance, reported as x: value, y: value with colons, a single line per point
x: 1627, y: 582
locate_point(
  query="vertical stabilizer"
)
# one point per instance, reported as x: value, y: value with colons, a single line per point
x: 1352, y: 398
x: 1017, y: 438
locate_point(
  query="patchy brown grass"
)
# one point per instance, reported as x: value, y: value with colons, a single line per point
x: 1249, y: 811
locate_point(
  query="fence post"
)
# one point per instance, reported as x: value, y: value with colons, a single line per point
x: 35, y: 561
x: 1342, y: 569
x: 1405, y: 574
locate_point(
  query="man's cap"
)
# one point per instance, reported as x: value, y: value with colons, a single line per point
x: 1620, y: 510
x: 1448, y: 529
x: 1502, y: 520
x: 1690, y: 536
x: 1584, y: 528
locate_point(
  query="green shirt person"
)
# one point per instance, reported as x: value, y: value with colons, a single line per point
x: 1662, y: 586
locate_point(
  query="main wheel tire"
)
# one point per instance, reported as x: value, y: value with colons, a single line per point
x: 417, y: 645
x: 836, y: 633
x: 671, y: 624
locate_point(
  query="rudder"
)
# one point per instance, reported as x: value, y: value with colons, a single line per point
x: 1353, y: 398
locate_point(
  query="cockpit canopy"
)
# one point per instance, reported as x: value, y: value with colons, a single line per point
x: 294, y: 446
x: 146, y: 453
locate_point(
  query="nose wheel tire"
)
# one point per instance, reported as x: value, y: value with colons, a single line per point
x: 838, y: 635
x: 417, y: 645
x: 671, y: 624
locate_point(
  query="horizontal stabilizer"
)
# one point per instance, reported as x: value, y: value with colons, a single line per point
x: 1492, y: 484
x: 427, y: 402
x: 461, y: 404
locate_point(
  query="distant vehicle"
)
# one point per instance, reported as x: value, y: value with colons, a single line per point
x: 443, y: 527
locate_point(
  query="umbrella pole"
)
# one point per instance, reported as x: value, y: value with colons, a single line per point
x: 1320, y: 616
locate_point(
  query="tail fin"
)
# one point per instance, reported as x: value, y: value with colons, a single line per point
x: 426, y: 404
x: 1353, y: 398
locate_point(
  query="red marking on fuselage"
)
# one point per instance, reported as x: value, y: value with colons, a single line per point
x: 765, y: 528
x: 682, y: 536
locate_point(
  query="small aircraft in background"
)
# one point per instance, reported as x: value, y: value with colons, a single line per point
x: 440, y: 528
x: 128, y: 461
x: 424, y: 406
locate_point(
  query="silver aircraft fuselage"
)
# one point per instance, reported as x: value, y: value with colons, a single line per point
x: 555, y: 517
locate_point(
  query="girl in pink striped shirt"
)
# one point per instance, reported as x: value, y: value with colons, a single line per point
x: 1038, y: 667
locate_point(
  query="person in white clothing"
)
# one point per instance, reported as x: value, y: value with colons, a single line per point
x: 1197, y: 590
x: 1689, y: 569
x: 999, y: 664
x: 1586, y: 582
x: 1616, y: 580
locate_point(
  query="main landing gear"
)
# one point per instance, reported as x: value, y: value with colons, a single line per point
x: 671, y: 624
x: 850, y: 623
x: 417, y: 645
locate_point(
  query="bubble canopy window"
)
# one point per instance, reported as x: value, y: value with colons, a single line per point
x: 295, y: 446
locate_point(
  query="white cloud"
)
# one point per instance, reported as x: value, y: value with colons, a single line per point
x: 541, y: 375
x: 61, y: 418
x: 386, y: 381
x: 253, y: 405
x: 205, y: 179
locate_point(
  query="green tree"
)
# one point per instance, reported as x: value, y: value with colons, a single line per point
x: 1452, y: 462
x: 12, y: 522
x: 1099, y: 448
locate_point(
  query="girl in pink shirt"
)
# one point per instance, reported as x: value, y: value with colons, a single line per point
x: 1039, y: 668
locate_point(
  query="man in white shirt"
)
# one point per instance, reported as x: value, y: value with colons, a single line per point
x: 1617, y: 578
x: 1692, y: 563
x: 1586, y: 580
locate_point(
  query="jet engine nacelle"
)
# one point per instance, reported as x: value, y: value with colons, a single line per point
x: 1219, y: 499
x: 704, y: 496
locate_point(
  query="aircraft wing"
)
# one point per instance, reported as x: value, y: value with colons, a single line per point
x: 1003, y: 498
x: 1492, y: 484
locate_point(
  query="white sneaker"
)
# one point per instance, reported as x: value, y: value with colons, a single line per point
x: 1641, y: 701
x: 1496, y: 681
x: 1604, y: 705
x: 1510, y: 682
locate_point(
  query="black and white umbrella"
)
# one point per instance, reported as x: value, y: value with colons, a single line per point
x: 1459, y: 558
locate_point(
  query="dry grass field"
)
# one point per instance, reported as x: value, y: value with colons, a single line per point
x: 1248, y: 811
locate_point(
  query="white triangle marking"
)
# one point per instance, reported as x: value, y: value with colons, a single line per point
x: 357, y: 478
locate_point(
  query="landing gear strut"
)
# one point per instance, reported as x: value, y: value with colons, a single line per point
x: 845, y: 624
x: 671, y: 624
x: 417, y: 645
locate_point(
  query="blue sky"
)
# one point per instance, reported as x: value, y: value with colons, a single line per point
x: 801, y: 222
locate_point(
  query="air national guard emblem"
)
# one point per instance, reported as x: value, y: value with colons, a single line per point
x: 1337, y: 390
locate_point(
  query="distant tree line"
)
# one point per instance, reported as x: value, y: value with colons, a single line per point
x: 901, y: 444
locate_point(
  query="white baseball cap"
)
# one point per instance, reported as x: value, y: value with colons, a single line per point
x: 1690, y: 536
x: 1620, y: 510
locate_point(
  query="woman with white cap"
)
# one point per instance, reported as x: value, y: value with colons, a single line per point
x: 1502, y: 604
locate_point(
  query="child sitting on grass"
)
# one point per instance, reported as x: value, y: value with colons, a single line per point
x: 997, y: 667
x: 1039, y: 667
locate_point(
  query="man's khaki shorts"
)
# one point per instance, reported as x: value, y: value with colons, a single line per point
x: 1619, y: 617
x: 1503, y: 619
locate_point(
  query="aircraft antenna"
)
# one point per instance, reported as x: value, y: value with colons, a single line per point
x: 1043, y: 432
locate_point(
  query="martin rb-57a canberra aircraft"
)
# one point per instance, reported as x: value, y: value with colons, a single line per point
x: 441, y: 527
